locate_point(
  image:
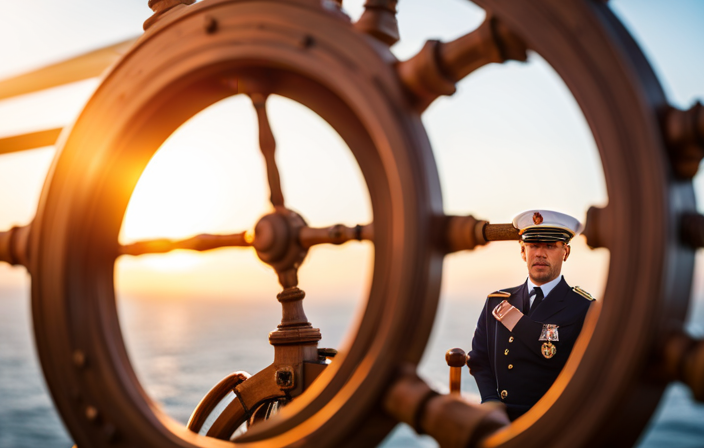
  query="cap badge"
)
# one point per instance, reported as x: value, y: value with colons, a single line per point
x: 537, y: 218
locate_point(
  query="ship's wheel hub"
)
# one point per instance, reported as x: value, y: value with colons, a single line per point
x: 276, y: 241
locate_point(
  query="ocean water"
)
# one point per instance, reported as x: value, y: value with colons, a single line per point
x: 181, y: 349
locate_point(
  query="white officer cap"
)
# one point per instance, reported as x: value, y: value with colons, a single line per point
x: 544, y: 226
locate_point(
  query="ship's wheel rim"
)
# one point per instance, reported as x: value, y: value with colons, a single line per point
x: 76, y: 292
x: 650, y: 269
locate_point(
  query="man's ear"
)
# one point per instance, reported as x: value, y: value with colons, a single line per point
x: 523, y: 252
x: 567, y: 251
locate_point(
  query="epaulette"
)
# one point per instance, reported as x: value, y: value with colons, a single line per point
x: 583, y: 293
x: 503, y: 294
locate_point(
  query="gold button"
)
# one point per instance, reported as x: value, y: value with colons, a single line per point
x: 510, y: 366
x: 504, y: 394
x: 506, y: 352
x: 510, y: 339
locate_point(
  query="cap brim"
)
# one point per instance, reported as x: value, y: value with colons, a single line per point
x: 538, y: 234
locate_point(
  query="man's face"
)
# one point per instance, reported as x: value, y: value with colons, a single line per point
x: 544, y: 260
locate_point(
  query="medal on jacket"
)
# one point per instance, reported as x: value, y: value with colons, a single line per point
x: 549, y: 334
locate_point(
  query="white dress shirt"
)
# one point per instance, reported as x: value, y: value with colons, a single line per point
x: 546, y: 288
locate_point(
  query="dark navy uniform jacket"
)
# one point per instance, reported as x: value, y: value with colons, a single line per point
x: 509, y: 366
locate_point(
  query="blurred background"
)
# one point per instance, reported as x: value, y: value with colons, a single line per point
x: 189, y: 319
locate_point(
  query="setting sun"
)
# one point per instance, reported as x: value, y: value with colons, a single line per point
x: 209, y: 177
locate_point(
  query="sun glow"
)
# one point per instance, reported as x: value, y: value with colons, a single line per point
x: 206, y: 177
x: 177, y: 261
x: 210, y: 177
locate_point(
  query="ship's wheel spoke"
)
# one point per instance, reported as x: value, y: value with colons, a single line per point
x: 448, y: 418
x: 439, y: 65
x: 461, y: 233
x: 14, y: 246
x: 267, y: 144
x: 336, y: 234
x: 467, y: 232
x: 200, y: 242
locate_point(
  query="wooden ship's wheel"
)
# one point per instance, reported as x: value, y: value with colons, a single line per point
x: 307, y: 50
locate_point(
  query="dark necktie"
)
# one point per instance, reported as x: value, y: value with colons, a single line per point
x: 538, y: 298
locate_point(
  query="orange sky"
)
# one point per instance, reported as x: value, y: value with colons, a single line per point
x: 209, y: 176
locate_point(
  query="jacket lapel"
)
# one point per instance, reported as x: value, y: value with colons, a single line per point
x: 518, y: 298
x: 553, y: 303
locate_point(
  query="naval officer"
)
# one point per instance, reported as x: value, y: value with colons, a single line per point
x: 525, y: 334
